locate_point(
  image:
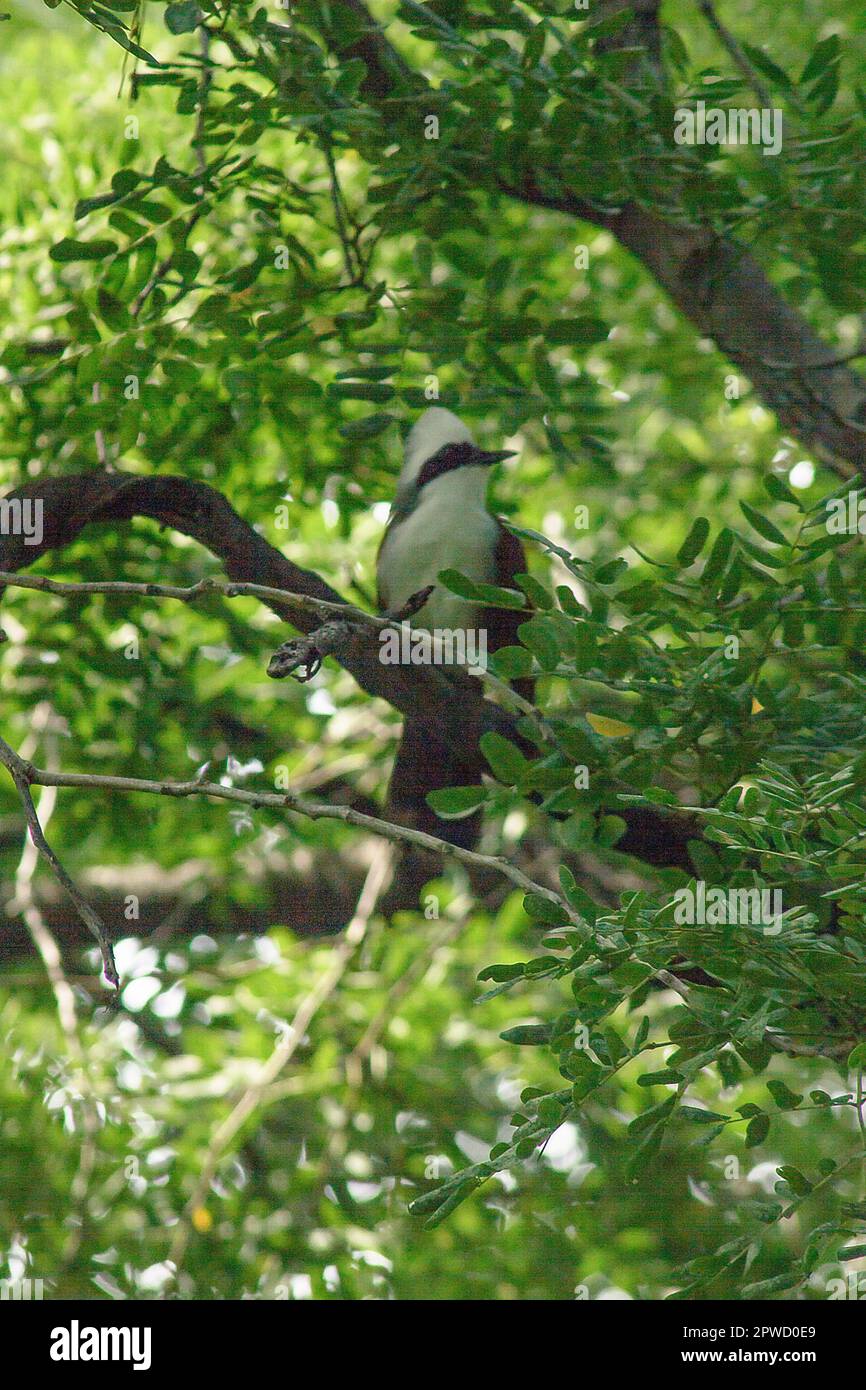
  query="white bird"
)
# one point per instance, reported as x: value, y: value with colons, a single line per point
x: 440, y: 520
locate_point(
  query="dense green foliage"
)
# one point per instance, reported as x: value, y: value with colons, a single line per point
x: 241, y: 267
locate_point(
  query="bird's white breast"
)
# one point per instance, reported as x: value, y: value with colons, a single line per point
x: 450, y: 528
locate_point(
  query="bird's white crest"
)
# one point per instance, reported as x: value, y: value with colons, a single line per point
x: 430, y: 432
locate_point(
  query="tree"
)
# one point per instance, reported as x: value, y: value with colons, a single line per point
x: 238, y: 282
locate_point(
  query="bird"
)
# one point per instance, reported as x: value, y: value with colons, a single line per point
x: 440, y: 520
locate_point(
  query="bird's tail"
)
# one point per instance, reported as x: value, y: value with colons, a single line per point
x: 426, y: 762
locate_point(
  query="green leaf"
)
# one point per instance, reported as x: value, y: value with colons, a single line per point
x: 378, y: 392
x: 760, y: 60
x: 451, y: 803
x: 527, y: 1034
x: 647, y: 1119
x: 718, y: 556
x: 493, y: 594
x: 778, y: 489
x: 640, y: 597
x: 778, y: 1284
x: 610, y: 573
x: 511, y: 662
x: 610, y: 831
x: 70, y: 250
x: 762, y: 525
x: 450, y: 1197
x: 368, y: 428
x: 608, y: 728
x: 512, y: 330
x: 540, y: 636
x: 578, y: 332
x: 824, y: 55
x: 534, y: 46
x: 694, y: 542
x: 784, y: 1098
x: 107, y: 24
x: 731, y: 583
x: 355, y: 373
x: 538, y: 596
x: 677, y: 50
x: 545, y: 373
x: 757, y: 1130
x: 577, y: 897
x: 645, y: 1153
x: 797, y: 1181
x: 543, y: 909
x: 497, y: 274
x: 503, y: 972
x: 506, y: 761
x: 112, y: 311
x: 569, y: 602
x: 86, y: 205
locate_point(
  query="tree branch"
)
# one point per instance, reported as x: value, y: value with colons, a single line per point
x: 452, y: 702
x: 715, y: 282
x: 257, y: 1092
x: 20, y: 772
x: 298, y: 596
x: 313, y: 810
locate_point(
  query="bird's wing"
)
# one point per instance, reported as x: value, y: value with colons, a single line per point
x: 381, y: 590
x: 509, y: 557
x: 502, y: 623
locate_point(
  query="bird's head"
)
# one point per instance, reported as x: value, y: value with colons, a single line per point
x: 438, y: 443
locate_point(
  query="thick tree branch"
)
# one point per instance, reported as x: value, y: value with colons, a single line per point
x: 715, y: 282
x: 450, y: 702
x: 314, y: 899
x: 69, y: 504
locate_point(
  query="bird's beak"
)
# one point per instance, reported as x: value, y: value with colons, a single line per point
x: 496, y: 455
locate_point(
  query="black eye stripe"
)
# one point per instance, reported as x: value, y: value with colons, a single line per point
x: 450, y: 456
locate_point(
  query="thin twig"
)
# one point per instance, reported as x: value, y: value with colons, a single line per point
x: 64, y: 997
x: 322, y: 609
x: 205, y: 79
x: 24, y: 902
x: 19, y: 770
x: 317, y: 607
x: 736, y: 52
x: 285, y: 1049
x: 204, y: 84
x: 388, y: 830
x: 397, y: 992
x: 341, y: 215
x: 99, y: 435
x: 164, y: 266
